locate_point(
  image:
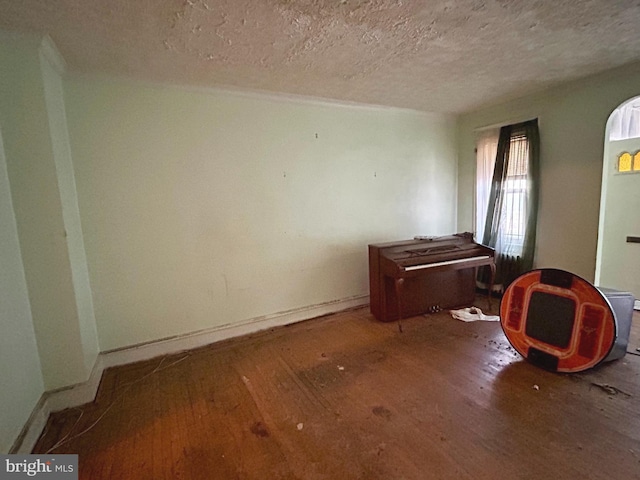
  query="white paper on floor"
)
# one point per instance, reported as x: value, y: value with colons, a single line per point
x: 473, y: 314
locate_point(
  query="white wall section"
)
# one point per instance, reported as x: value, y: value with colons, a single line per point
x: 207, y: 208
x: 20, y: 374
x: 39, y: 172
x: 52, y: 70
x: 620, y: 260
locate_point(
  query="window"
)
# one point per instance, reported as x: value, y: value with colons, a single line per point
x: 486, y: 148
x: 514, y: 187
x: 513, y: 214
x: 511, y: 205
x: 627, y: 163
x: 625, y: 121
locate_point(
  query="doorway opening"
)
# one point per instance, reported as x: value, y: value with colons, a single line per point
x: 618, y: 253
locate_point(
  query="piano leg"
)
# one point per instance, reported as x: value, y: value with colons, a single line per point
x: 492, y: 265
x: 398, y: 284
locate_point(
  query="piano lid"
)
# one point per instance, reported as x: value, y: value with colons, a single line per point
x: 417, y: 252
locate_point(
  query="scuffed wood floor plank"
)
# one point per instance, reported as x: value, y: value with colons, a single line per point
x: 347, y: 397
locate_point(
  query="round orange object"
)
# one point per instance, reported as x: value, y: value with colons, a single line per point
x: 558, y: 320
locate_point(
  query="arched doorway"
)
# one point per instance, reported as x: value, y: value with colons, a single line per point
x: 618, y: 256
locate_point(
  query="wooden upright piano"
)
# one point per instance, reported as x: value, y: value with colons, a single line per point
x: 426, y: 274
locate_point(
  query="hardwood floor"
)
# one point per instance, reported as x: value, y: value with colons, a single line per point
x: 347, y: 397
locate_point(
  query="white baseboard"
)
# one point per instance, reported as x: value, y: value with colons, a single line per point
x: 33, y: 428
x: 636, y: 305
x: 76, y: 395
x: 201, y: 338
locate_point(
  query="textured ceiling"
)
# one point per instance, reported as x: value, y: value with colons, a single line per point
x: 432, y: 55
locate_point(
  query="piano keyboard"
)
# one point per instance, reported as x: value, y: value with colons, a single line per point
x: 446, y: 262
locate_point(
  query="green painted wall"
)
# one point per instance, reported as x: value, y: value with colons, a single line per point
x: 40, y: 175
x: 52, y: 66
x: 620, y: 261
x: 20, y: 375
x: 202, y: 208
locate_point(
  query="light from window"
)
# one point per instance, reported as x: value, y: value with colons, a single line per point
x: 486, y: 147
x: 515, y: 197
x: 628, y: 163
x: 624, y: 162
x: 625, y: 121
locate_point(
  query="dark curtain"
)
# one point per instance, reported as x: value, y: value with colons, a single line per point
x: 518, y: 157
